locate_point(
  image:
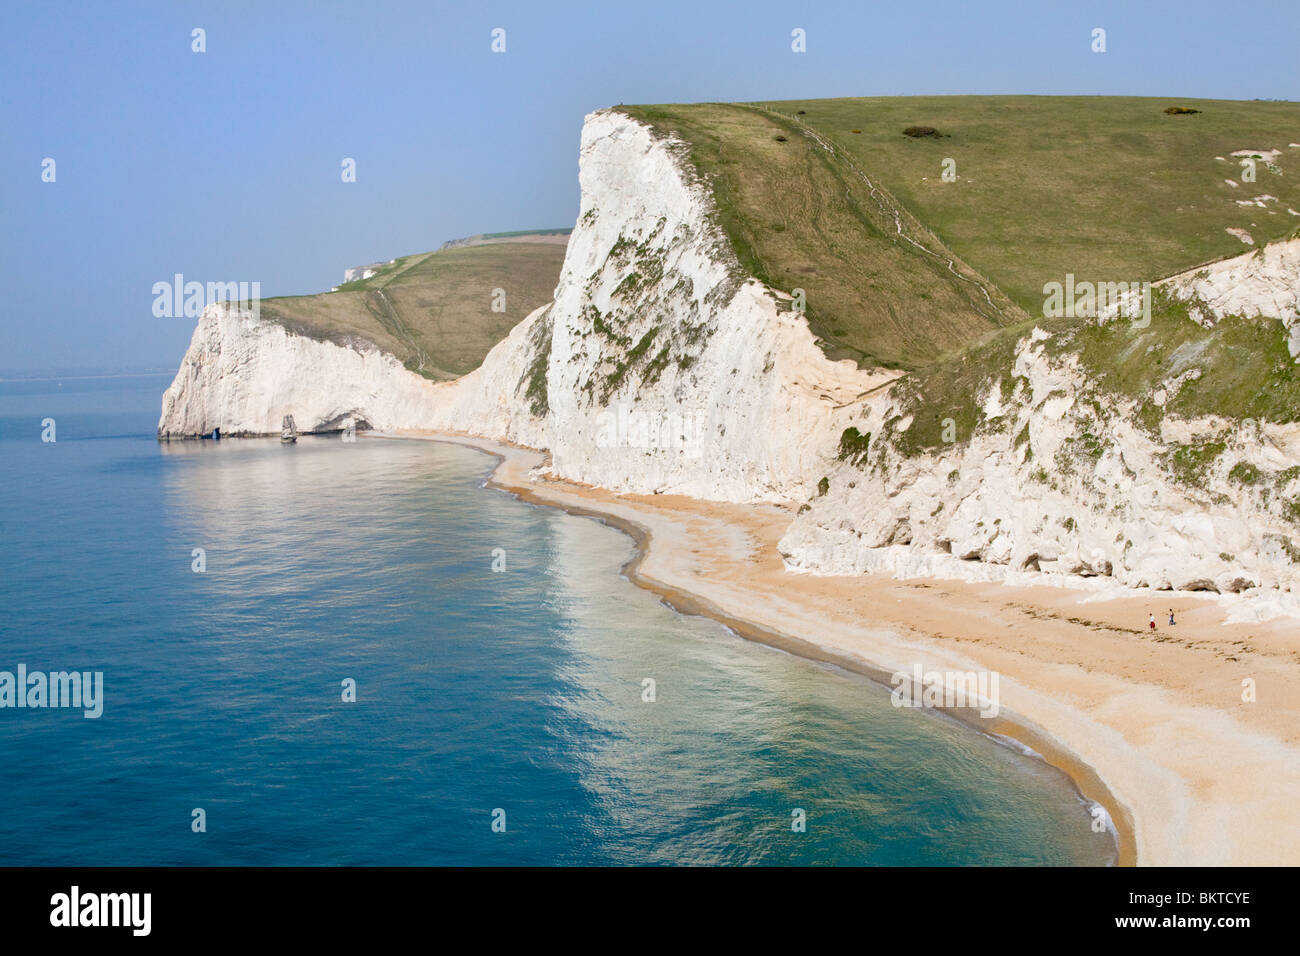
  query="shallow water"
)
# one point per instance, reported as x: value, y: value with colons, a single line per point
x: 476, y: 690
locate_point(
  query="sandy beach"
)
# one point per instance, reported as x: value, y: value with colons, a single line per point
x: 1150, y: 724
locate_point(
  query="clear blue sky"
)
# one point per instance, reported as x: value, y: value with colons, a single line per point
x: 225, y: 165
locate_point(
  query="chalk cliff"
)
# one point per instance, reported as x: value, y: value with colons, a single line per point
x: 1264, y: 282
x: 661, y: 367
x: 1065, y: 483
x: 243, y: 374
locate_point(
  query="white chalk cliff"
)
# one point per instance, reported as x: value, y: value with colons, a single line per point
x: 242, y: 374
x: 661, y: 368
x: 1069, y: 488
x: 1265, y: 282
x: 658, y: 368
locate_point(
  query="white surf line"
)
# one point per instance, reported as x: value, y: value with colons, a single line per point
x: 881, y: 198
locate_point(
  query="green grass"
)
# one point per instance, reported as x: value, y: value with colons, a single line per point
x: 1244, y: 473
x: 798, y: 216
x: 1245, y: 369
x: 1108, y: 188
x: 1190, y: 462
x: 537, y: 389
x: 527, y: 232
x: 433, y: 310
x: 854, y: 445
x: 949, y: 391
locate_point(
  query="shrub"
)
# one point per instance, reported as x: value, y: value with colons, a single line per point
x: 1180, y: 110
x: 916, y: 132
x: 1190, y: 462
x: 1244, y: 473
x: 1291, y: 508
x: 854, y: 445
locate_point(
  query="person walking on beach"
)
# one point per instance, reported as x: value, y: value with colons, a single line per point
x: 1171, y: 617
x: 1153, y: 622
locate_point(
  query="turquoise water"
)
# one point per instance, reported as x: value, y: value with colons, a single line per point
x: 475, y: 690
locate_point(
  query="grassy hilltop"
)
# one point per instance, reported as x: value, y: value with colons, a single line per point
x: 799, y: 217
x: 1101, y: 186
x: 941, y: 278
x: 433, y: 310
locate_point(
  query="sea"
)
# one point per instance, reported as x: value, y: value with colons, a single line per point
x: 339, y: 653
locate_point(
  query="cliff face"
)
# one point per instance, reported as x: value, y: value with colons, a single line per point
x: 1264, y: 282
x: 660, y: 367
x: 242, y: 374
x: 667, y: 369
x: 1067, y: 481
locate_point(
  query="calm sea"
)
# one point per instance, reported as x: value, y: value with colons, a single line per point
x: 481, y: 696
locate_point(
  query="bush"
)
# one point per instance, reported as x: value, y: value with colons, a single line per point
x: 916, y: 132
x: 854, y: 445
x: 1180, y: 110
x: 1244, y: 473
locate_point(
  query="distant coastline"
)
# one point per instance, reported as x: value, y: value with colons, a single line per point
x: 81, y: 374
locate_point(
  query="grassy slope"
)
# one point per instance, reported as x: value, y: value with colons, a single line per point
x: 799, y: 217
x: 1107, y: 188
x: 432, y: 310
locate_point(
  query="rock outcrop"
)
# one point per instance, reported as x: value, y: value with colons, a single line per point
x: 1264, y: 282
x: 665, y: 368
x: 357, y: 273
x: 243, y: 374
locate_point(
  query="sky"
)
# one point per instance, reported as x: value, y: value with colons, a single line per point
x: 225, y: 165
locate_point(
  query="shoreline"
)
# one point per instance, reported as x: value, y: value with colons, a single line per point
x: 711, y: 559
x: 1085, y: 781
